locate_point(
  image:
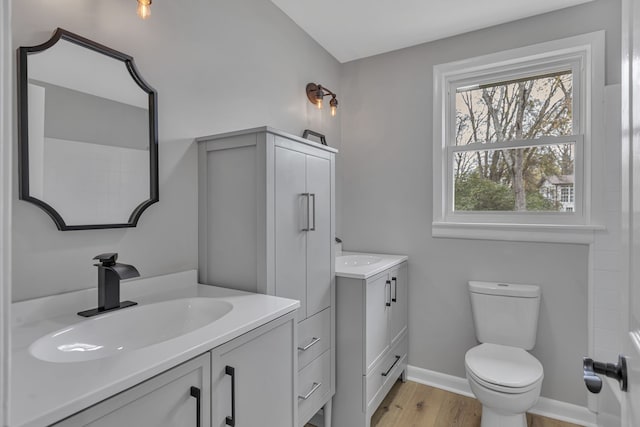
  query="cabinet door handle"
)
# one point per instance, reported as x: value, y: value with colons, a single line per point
x: 315, y: 387
x: 387, y: 302
x: 195, y: 392
x: 384, y: 374
x: 308, y: 227
x: 231, y: 421
x: 313, y: 196
x: 395, y: 289
x: 313, y: 342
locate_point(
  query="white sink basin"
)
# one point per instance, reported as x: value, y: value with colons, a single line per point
x: 128, y: 329
x: 357, y: 260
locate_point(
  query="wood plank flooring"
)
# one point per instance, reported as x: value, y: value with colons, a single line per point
x: 417, y: 405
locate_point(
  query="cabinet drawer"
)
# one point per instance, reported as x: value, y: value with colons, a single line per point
x: 387, y: 369
x: 314, y: 382
x: 314, y: 336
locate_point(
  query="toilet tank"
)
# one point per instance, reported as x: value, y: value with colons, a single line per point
x: 505, y: 313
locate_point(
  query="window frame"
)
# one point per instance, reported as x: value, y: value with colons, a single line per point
x: 584, y: 56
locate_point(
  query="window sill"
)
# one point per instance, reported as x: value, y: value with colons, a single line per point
x: 581, y: 234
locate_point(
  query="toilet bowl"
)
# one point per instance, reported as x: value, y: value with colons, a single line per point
x: 506, y: 380
x: 502, y: 375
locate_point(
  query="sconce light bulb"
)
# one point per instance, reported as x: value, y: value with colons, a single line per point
x: 319, y: 96
x: 334, y: 105
x: 144, y: 8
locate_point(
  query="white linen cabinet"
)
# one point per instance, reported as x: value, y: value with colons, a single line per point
x: 267, y: 225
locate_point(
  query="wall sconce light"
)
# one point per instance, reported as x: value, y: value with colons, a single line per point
x: 144, y: 8
x: 315, y: 93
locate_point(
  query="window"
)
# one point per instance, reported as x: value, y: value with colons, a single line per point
x: 520, y: 121
x: 513, y: 139
x: 566, y: 193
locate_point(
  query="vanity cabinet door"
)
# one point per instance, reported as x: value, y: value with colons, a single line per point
x: 254, y: 377
x: 167, y: 400
x: 399, y: 302
x: 378, y: 308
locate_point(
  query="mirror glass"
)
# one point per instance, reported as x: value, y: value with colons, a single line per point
x: 87, y: 134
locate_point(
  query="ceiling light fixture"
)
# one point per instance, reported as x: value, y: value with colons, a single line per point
x: 144, y: 8
x: 316, y: 92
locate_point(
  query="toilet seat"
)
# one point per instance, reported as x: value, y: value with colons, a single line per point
x: 503, y: 368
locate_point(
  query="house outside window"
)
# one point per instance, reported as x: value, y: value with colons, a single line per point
x: 514, y: 139
x: 559, y: 192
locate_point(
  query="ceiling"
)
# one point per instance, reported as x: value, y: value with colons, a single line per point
x: 353, y: 29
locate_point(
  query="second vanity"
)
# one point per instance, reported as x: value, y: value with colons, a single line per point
x: 221, y: 373
x: 372, y: 339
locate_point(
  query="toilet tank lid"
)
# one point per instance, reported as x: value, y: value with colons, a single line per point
x: 504, y: 289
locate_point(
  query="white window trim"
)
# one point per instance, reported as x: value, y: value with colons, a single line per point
x: 586, y: 52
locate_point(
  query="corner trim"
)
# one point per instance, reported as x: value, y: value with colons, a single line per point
x: 545, y: 407
x: 6, y: 158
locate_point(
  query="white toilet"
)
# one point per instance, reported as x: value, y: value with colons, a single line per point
x: 503, y: 376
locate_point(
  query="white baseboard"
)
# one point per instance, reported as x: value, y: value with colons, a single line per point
x: 546, y: 407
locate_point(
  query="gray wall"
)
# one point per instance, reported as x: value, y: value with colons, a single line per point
x: 217, y: 66
x: 387, y: 201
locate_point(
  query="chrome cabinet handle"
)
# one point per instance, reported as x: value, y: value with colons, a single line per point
x: 195, y: 392
x: 313, y: 342
x: 313, y: 196
x: 395, y: 289
x: 315, y: 387
x: 307, y: 228
x: 387, y: 302
x: 384, y: 374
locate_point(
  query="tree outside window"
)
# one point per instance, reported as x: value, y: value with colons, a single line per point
x: 516, y: 115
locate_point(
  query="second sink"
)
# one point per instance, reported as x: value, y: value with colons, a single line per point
x: 357, y: 260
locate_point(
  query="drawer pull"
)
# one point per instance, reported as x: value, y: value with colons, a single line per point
x: 231, y: 421
x: 313, y: 342
x: 315, y: 387
x: 384, y: 374
x: 195, y: 392
x: 395, y: 289
x: 387, y: 303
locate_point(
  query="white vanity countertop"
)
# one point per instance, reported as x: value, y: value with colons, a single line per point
x: 44, y: 392
x: 383, y: 262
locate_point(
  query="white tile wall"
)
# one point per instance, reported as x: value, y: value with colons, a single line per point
x: 606, y: 255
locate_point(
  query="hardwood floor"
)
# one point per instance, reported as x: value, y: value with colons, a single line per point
x: 417, y: 405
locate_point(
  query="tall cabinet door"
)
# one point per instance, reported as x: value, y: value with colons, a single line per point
x: 399, y: 302
x: 319, y: 236
x: 291, y: 220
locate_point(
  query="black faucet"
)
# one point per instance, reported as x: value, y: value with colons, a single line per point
x: 109, y: 275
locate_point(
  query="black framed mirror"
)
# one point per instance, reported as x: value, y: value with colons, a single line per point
x: 87, y: 134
